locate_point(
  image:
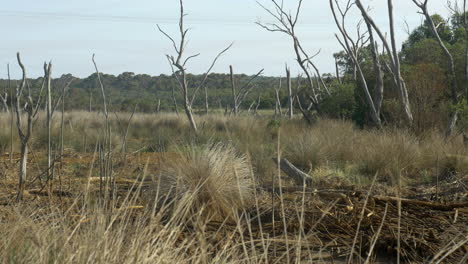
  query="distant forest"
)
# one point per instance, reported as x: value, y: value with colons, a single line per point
x: 128, y: 89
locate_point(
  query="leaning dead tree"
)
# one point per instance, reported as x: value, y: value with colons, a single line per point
x: 352, y: 49
x: 393, y: 64
x: 178, y: 65
x: 30, y: 109
x: 286, y: 23
x: 238, y: 95
x: 452, y: 76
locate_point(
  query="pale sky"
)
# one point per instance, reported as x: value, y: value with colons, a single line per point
x: 123, y: 34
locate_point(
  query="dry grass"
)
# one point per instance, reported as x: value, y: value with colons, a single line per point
x: 329, y: 145
x: 338, y: 144
x: 215, y: 177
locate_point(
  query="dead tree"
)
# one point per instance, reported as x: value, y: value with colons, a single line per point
x: 258, y: 105
x: 251, y: 105
x: 206, y: 100
x: 233, y: 90
x: 48, y: 74
x: 51, y: 106
x: 278, y: 109
x: 238, y: 96
x: 392, y: 52
x: 352, y: 51
x: 465, y: 26
x: 178, y: 65
x: 4, y: 99
x: 338, y: 77
x: 378, y: 72
x: 105, y: 147
x: 30, y: 108
x: 290, y: 94
x: 286, y: 23
x: 12, y: 117
x: 452, y: 77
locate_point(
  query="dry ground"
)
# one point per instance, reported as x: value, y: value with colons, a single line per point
x: 298, y: 225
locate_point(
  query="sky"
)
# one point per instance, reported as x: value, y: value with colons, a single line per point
x: 124, y: 37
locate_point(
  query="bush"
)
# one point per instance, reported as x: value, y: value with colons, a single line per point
x: 341, y: 104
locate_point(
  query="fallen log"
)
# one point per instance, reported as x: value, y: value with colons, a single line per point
x: 293, y: 172
x: 437, y: 206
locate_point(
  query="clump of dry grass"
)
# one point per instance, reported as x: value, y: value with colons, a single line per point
x: 214, y: 177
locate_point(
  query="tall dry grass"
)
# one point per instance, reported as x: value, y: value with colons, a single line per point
x: 391, y: 152
x: 208, y: 184
x: 333, y: 145
x: 216, y: 178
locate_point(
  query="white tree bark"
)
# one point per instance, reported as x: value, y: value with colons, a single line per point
x: 25, y: 130
x: 393, y: 57
x: 350, y: 48
x: 290, y: 94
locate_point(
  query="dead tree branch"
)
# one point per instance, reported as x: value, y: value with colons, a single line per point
x: 178, y: 65
x: 286, y: 23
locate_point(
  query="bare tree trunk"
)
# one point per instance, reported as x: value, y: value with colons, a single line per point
x: 250, y: 107
x: 401, y: 83
x: 347, y: 46
x: 174, y: 101
x: 276, y: 105
x: 278, y: 102
x: 290, y: 94
x: 106, y: 160
x: 466, y: 64
x: 61, y: 128
x: 379, y: 81
x: 11, y: 114
x: 393, y: 57
x: 338, y: 77
x: 258, y: 104
x: 4, y: 99
x: 22, y: 170
x: 179, y: 62
x: 452, y: 123
x: 187, y: 105
x: 158, y: 109
x: 206, y: 100
x: 233, y: 89
x: 48, y: 73
x: 25, y: 133
x: 465, y: 26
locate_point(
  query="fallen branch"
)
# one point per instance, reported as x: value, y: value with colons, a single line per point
x: 437, y: 206
x: 293, y: 172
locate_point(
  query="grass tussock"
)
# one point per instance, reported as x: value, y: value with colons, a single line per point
x: 214, y: 177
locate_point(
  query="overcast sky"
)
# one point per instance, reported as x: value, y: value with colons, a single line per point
x: 123, y: 34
